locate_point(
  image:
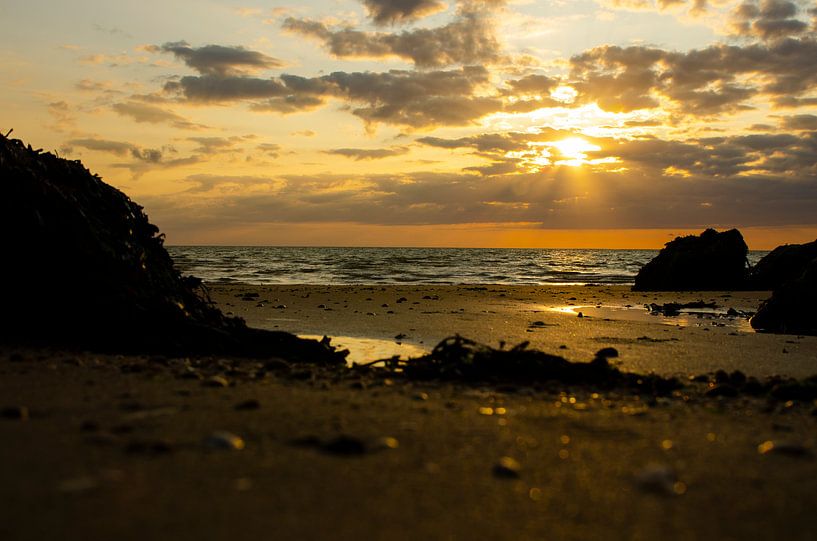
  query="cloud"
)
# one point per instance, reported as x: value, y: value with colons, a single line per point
x: 359, y: 154
x: 717, y: 79
x: 768, y: 19
x: 780, y: 155
x: 401, y: 11
x: 119, y: 148
x: 218, y: 88
x: 215, y: 145
x: 469, y: 39
x: 553, y: 198
x: 400, y: 97
x: 143, y: 112
x: 800, y: 122
x: 220, y: 60
x: 270, y: 149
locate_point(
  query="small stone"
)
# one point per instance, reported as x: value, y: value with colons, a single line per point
x: 345, y: 446
x: 216, y: 381
x: 507, y: 468
x: 790, y: 449
x: 581, y: 314
x: 19, y: 413
x: 281, y: 307
x: 420, y: 396
x: 223, y: 440
x: 659, y: 479
x: 248, y: 405
x: 387, y: 442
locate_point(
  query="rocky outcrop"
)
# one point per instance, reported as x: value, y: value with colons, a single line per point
x: 792, y: 309
x: 710, y: 261
x: 82, y: 266
x: 781, y: 265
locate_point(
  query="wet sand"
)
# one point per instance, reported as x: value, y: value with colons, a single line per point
x: 547, y: 317
x: 120, y: 447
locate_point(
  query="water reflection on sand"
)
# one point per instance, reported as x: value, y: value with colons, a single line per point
x: 364, y: 350
x: 699, y: 317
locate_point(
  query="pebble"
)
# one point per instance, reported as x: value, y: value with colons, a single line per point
x: 345, y: 446
x: 508, y: 468
x: 791, y: 449
x: 659, y: 479
x: 224, y: 440
x: 248, y: 405
x: 216, y: 381
x: 387, y: 442
x: 19, y: 413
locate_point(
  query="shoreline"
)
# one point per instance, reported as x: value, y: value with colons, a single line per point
x: 515, y: 314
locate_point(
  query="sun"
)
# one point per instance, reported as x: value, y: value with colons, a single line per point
x: 573, y: 151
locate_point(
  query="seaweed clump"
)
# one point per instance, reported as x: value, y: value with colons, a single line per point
x: 84, y: 267
x: 462, y: 360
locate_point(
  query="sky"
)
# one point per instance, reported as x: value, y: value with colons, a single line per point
x: 518, y: 123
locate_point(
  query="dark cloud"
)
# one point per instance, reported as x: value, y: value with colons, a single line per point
x: 359, y: 154
x: 401, y: 11
x: 270, y: 149
x: 217, y: 88
x: 203, y: 183
x: 143, y: 112
x: 768, y: 19
x: 702, y: 81
x: 115, y: 147
x: 219, y: 59
x: 418, y: 99
x: 119, y: 148
x: 469, y: 39
x: 800, y: 122
x: 638, y: 199
x: 215, y: 145
x: 409, y: 98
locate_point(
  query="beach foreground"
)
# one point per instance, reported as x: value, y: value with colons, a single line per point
x: 131, y: 447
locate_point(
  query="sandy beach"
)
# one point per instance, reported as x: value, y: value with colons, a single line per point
x: 133, y: 447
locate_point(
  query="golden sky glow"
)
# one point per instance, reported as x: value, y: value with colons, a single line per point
x: 471, y: 122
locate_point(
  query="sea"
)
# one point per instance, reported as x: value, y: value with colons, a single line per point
x: 267, y: 265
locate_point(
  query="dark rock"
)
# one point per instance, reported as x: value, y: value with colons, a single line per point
x: 782, y: 265
x: 792, y: 308
x: 607, y: 353
x: 83, y: 267
x: 711, y: 261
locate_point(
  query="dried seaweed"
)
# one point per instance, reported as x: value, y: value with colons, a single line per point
x: 463, y: 360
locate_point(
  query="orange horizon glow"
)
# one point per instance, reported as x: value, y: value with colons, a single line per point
x: 475, y: 236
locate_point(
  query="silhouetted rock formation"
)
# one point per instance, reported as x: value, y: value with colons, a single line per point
x: 711, y: 261
x: 793, y: 306
x: 82, y: 266
x: 783, y: 264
